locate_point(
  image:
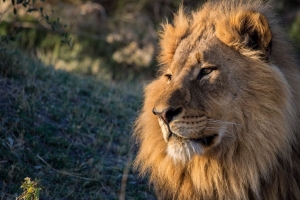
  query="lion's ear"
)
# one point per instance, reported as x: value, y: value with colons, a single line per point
x: 248, y: 30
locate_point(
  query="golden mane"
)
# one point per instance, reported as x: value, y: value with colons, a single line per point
x: 264, y: 159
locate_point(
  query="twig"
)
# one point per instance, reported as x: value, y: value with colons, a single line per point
x: 64, y: 172
x: 125, y: 175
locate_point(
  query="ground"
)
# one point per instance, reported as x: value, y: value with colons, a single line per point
x: 70, y: 133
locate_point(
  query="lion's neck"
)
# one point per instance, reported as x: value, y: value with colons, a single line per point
x: 232, y: 176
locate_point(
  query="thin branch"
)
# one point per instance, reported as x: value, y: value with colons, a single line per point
x: 66, y: 173
x: 125, y: 175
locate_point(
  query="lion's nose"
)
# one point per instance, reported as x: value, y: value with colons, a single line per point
x: 168, y: 114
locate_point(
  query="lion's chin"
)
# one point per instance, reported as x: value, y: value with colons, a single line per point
x: 183, y: 150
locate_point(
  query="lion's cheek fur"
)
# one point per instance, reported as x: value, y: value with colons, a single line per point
x: 264, y: 106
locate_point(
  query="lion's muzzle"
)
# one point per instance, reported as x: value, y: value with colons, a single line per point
x: 165, y: 117
x: 180, y: 125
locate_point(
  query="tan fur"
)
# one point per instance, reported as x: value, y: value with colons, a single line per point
x: 250, y: 100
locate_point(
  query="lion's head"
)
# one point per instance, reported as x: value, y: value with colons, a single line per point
x: 219, y: 121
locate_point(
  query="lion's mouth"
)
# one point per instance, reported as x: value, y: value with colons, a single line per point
x: 204, y: 140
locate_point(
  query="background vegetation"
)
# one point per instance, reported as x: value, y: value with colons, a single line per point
x: 71, y: 79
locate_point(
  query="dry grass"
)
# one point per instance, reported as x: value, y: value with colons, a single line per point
x: 68, y: 132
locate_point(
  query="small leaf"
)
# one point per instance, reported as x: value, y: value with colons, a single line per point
x: 41, y: 9
x: 15, y: 11
x: 47, y: 18
x: 37, y: 193
x: 13, y: 2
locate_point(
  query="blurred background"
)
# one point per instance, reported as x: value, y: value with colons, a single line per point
x: 114, y: 39
x: 71, y: 79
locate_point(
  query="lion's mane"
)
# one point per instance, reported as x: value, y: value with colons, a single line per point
x: 264, y: 160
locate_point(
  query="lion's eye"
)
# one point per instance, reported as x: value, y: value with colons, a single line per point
x: 169, y: 76
x: 205, y: 71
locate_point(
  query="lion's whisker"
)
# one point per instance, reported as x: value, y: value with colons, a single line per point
x: 222, y: 122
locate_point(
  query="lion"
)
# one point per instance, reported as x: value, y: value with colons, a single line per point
x: 221, y: 120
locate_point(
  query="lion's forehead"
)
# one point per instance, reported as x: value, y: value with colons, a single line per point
x: 183, y: 54
x: 188, y: 54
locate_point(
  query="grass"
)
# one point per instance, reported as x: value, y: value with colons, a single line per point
x: 70, y: 133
